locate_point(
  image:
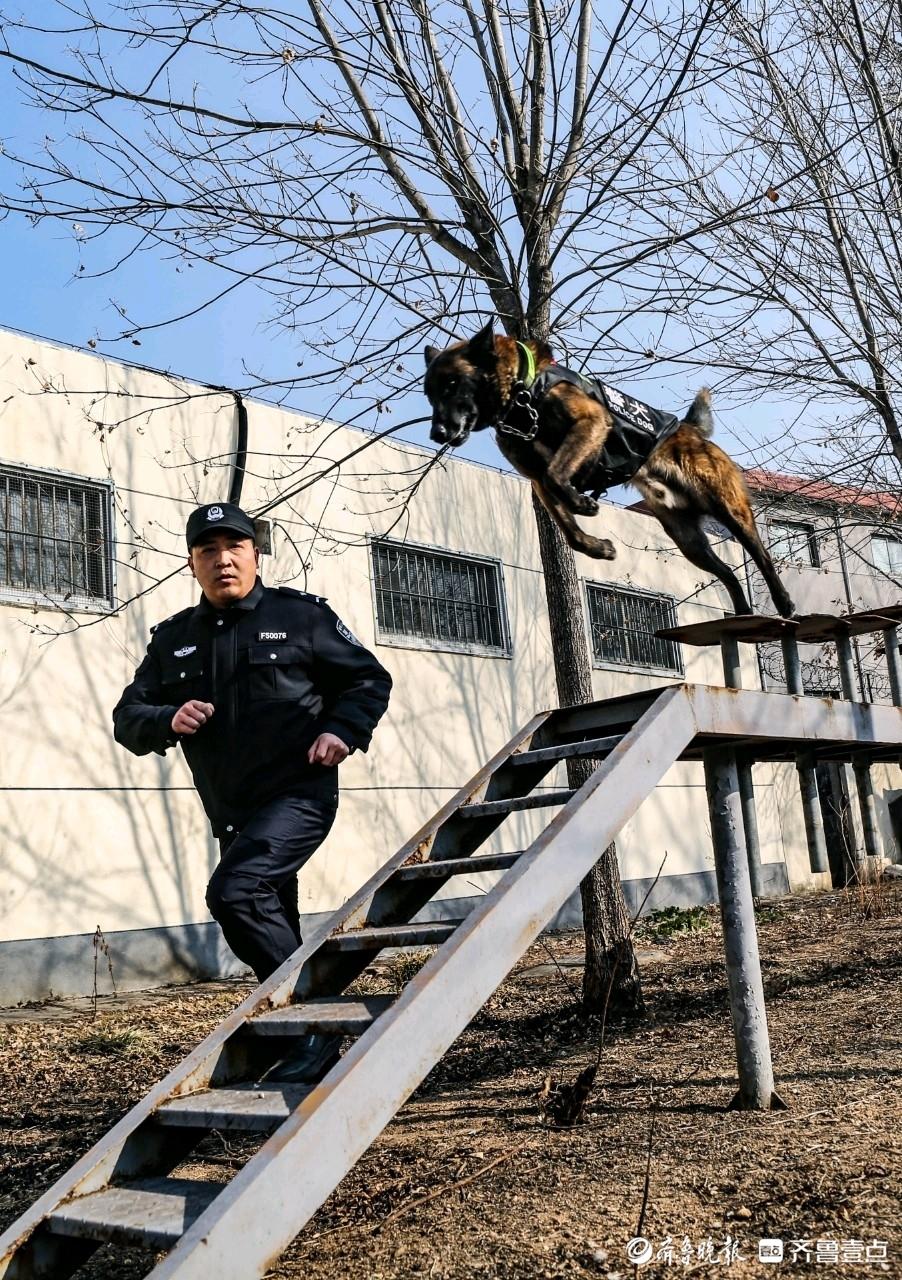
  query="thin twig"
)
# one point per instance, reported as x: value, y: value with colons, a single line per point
x: 647, y: 1184
x: 450, y: 1186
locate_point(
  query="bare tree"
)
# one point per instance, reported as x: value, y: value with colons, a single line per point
x: 383, y: 170
x: 794, y: 163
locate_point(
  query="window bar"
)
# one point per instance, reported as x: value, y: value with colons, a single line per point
x: 84, y: 545
x: 69, y: 546
x: 8, y: 535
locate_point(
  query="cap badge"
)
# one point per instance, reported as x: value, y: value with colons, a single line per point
x: 214, y: 513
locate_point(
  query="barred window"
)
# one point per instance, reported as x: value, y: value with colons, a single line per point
x: 623, y: 626
x: 435, y: 596
x: 55, y: 538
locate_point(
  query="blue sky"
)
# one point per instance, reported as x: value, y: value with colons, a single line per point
x: 50, y: 290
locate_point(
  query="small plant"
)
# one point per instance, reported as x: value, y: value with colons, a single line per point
x: 406, y: 966
x: 765, y: 914
x: 109, y: 1043
x: 673, y: 922
x: 870, y: 895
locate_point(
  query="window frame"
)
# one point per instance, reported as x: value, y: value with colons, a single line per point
x: 878, y: 569
x: 401, y: 640
x: 811, y: 531
x: 611, y: 664
x: 106, y: 492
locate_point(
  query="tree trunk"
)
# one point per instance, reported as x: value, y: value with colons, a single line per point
x: 611, y: 976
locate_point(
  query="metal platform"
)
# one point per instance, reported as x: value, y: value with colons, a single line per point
x: 759, y: 628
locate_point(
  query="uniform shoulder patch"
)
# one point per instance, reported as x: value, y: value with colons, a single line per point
x: 346, y: 633
x: 302, y: 595
x: 182, y: 613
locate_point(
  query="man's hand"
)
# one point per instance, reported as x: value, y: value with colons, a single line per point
x: 328, y: 749
x: 191, y: 716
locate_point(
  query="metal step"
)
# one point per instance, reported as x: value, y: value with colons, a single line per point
x: 427, y: 934
x: 540, y: 800
x: 255, y: 1107
x: 568, y: 750
x: 457, y: 866
x: 155, y: 1212
x: 341, y: 1015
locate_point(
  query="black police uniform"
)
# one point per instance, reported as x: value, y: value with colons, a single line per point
x: 280, y: 668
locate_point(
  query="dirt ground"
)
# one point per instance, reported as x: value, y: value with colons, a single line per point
x: 471, y: 1180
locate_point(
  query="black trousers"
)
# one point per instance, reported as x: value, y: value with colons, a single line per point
x: 253, y: 893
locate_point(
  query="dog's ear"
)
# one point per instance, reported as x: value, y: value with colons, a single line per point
x: 430, y: 353
x: 481, y: 347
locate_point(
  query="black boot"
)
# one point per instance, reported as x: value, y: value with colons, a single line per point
x: 307, y: 1062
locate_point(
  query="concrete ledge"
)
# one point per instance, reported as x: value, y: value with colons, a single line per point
x: 40, y: 968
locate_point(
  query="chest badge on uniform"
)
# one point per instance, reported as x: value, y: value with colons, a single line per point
x: 346, y: 633
x: 183, y: 653
x: 272, y: 635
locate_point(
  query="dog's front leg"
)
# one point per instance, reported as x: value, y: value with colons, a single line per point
x: 597, y: 548
x: 587, y: 426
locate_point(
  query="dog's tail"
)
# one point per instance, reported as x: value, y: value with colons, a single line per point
x: 699, y: 414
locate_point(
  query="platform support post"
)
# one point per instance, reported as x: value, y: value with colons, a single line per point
x: 893, y: 664
x: 737, y: 911
x: 860, y: 766
x: 792, y: 665
x: 867, y: 806
x: 846, y: 667
x: 811, y: 804
x: 732, y: 678
x: 750, y: 825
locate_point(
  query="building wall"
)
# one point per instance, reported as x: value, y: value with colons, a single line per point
x: 94, y: 838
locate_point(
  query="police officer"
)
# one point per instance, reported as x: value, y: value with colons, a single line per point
x: 266, y: 691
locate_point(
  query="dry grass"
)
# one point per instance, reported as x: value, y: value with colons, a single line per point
x: 468, y: 1182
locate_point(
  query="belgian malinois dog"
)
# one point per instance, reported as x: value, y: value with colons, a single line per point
x: 555, y: 428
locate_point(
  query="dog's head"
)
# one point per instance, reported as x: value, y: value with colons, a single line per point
x: 461, y: 387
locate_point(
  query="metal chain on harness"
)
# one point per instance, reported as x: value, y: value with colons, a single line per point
x: 521, y: 399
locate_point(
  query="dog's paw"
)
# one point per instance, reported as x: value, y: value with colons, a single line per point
x: 583, y: 505
x: 600, y: 549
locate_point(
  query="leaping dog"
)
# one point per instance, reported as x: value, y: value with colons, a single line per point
x: 572, y: 436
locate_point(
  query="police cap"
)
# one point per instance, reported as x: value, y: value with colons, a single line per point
x: 216, y: 518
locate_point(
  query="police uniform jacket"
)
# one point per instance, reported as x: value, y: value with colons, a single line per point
x: 280, y: 668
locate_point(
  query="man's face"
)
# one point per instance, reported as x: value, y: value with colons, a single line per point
x: 225, y: 566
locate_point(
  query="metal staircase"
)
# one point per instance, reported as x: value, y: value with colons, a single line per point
x: 129, y: 1189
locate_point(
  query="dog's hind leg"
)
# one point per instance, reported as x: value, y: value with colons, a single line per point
x: 685, y: 527
x: 741, y: 523
x: 597, y: 548
x: 691, y: 475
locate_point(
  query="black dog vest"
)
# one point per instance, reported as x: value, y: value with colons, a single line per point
x: 636, y: 431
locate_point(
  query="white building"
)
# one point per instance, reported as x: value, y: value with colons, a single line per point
x: 100, y: 464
